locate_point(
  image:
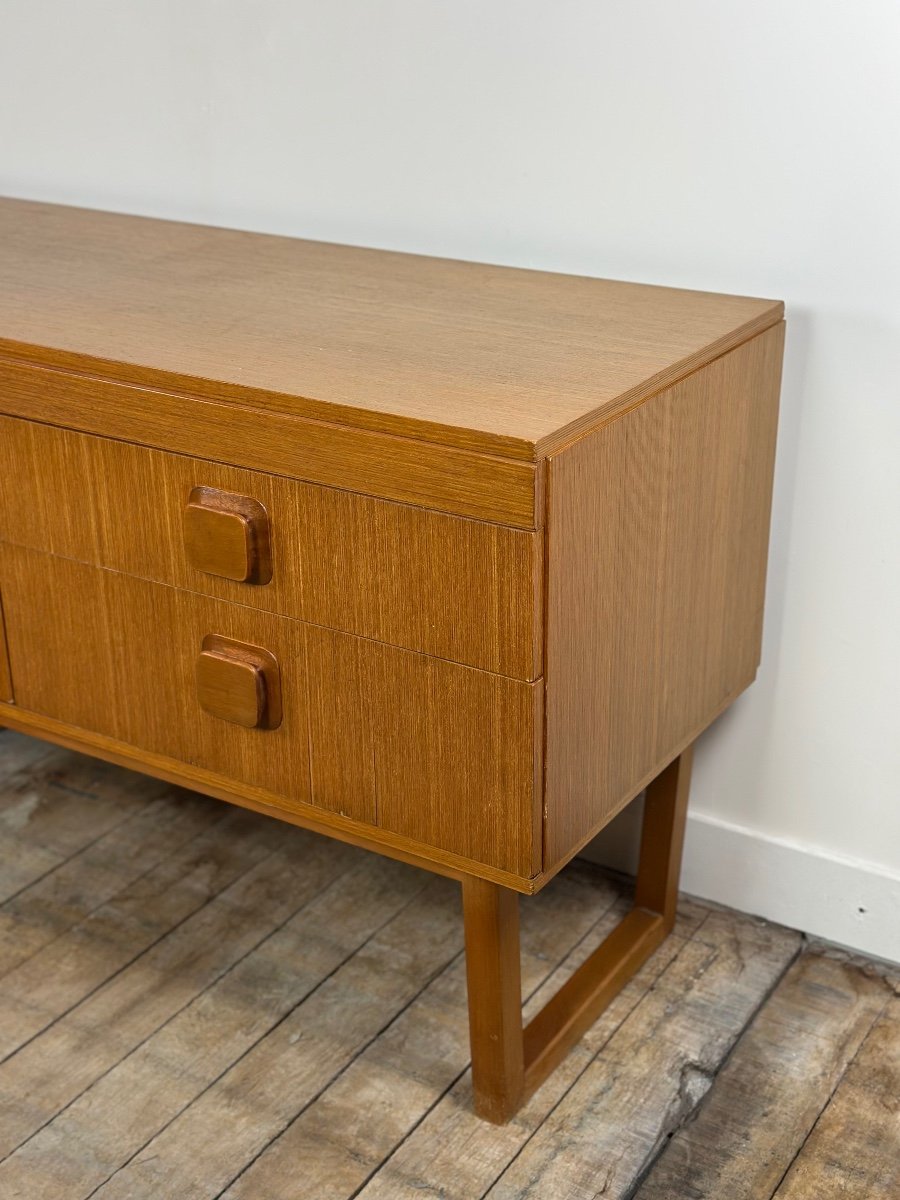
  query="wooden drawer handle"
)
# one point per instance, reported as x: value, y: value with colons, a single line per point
x: 227, y: 535
x: 239, y: 683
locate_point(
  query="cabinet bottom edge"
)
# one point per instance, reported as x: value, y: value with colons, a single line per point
x: 246, y: 796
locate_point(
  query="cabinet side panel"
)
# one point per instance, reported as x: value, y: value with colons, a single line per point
x: 658, y: 532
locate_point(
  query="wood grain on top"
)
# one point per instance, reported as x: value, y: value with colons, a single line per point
x: 494, y: 359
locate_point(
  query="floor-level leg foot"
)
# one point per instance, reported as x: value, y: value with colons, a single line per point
x: 508, y: 1061
x: 491, y: 916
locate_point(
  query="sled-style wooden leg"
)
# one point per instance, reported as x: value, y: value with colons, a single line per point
x: 508, y: 1061
x: 493, y: 980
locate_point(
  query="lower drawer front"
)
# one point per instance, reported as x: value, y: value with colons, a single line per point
x: 437, y: 752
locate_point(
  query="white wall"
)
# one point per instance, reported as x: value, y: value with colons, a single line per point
x: 710, y: 144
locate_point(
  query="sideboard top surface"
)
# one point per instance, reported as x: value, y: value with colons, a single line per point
x: 495, y: 359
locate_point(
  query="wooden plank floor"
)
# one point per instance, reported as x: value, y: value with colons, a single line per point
x: 199, y: 1002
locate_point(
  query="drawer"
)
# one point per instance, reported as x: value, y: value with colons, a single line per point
x: 458, y: 589
x: 118, y: 656
x: 439, y: 753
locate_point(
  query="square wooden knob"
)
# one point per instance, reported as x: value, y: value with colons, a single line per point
x: 227, y: 535
x: 239, y: 683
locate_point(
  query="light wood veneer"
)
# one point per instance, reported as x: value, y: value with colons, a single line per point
x: 395, y: 468
x: 446, y: 560
x: 438, y: 753
x: 493, y: 359
x: 467, y: 591
x: 657, y: 535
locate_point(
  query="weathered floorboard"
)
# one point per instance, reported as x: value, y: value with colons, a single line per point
x: 770, y: 1093
x: 206, y: 1147
x: 114, y: 1118
x: 209, y: 1004
x: 70, y: 968
x: 455, y: 1151
x: 79, y: 886
x: 244, y: 895
x: 56, y: 804
x: 17, y: 752
x: 854, y: 1150
x: 407, y: 1069
x: 653, y: 1071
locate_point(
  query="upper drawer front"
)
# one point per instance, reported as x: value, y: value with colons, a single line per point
x: 459, y: 481
x: 457, y: 589
x: 432, y: 751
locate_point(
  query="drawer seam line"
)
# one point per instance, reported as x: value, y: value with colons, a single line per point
x: 270, y: 612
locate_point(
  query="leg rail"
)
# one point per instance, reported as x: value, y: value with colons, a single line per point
x: 510, y: 1061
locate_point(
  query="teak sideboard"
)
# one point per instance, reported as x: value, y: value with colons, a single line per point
x: 450, y: 561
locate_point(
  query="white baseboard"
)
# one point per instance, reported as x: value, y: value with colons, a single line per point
x: 853, y: 903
